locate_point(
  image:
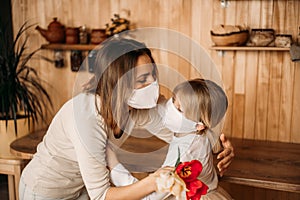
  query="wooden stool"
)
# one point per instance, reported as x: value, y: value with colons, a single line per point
x: 10, y: 164
x: 12, y: 168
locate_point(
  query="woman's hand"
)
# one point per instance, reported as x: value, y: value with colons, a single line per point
x: 163, y: 171
x: 226, y: 156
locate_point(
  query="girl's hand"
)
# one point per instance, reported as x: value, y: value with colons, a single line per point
x: 226, y: 156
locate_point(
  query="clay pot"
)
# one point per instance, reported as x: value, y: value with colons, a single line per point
x: 98, y: 36
x: 55, y: 32
x: 72, y: 35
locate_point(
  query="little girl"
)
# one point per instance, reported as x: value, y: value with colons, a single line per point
x: 196, y: 107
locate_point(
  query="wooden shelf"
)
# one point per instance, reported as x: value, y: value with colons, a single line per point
x: 88, y: 47
x: 81, y: 47
x: 244, y: 48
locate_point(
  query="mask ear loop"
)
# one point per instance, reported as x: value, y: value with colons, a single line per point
x: 200, y: 127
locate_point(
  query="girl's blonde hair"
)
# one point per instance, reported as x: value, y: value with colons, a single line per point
x: 115, y: 78
x: 202, y: 101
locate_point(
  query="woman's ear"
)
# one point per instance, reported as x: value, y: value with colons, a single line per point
x: 200, y: 126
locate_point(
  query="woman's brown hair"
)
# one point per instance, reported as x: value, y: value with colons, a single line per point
x: 114, y: 80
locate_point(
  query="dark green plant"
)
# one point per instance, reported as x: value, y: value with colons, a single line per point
x: 22, y: 94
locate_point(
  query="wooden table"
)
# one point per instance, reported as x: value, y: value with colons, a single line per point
x: 24, y: 147
x: 262, y: 164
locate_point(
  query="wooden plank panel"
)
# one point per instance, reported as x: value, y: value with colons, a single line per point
x: 173, y: 17
x: 274, y: 96
x: 195, y: 35
x: 238, y: 114
x: 251, y: 77
x: 217, y: 17
x: 163, y: 23
x: 262, y: 96
x: 286, y: 109
x: 250, y: 94
x: 229, y: 67
x: 263, y: 75
x: 114, y: 7
x: 266, y: 13
x: 295, y: 126
x: 226, y: 68
x: 216, y: 56
x: 275, y: 73
x: 230, y: 18
x: 239, y: 96
x: 279, y: 16
x: 239, y: 77
x: 200, y: 32
x: 193, y: 18
x: 185, y: 29
x: 227, y: 77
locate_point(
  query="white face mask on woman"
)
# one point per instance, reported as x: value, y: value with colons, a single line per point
x: 144, y: 98
x: 175, y: 121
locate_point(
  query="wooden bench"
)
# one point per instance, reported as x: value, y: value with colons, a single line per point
x: 261, y: 164
x: 264, y: 164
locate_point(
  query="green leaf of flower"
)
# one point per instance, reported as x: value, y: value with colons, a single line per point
x: 178, y: 158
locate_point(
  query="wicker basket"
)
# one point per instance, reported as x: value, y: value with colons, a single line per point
x: 230, y: 39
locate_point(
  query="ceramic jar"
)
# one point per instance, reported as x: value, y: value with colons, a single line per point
x: 98, y: 36
x: 72, y: 35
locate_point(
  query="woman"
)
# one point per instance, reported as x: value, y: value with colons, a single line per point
x: 71, y: 156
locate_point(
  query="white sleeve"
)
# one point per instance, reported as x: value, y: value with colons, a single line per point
x: 89, y: 139
x: 120, y: 176
x: 156, y: 126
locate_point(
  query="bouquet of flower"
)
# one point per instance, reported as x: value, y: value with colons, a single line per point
x: 183, y: 182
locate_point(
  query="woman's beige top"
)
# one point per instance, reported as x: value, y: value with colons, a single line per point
x: 72, y: 153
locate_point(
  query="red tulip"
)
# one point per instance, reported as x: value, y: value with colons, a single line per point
x: 189, y: 172
x: 196, y: 189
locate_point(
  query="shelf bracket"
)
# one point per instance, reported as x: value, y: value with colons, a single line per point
x: 224, y: 3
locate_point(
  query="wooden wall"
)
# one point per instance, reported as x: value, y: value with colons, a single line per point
x: 262, y: 86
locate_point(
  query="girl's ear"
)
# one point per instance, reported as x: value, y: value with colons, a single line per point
x: 200, y: 126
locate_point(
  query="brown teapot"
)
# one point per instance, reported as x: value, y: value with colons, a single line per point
x: 55, y: 32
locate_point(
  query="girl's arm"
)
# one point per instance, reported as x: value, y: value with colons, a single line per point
x: 120, y: 176
x: 137, y: 190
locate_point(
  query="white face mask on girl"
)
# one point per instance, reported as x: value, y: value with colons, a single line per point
x: 175, y: 121
x: 144, y: 98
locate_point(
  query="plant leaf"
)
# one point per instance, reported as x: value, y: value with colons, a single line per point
x: 21, y: 89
